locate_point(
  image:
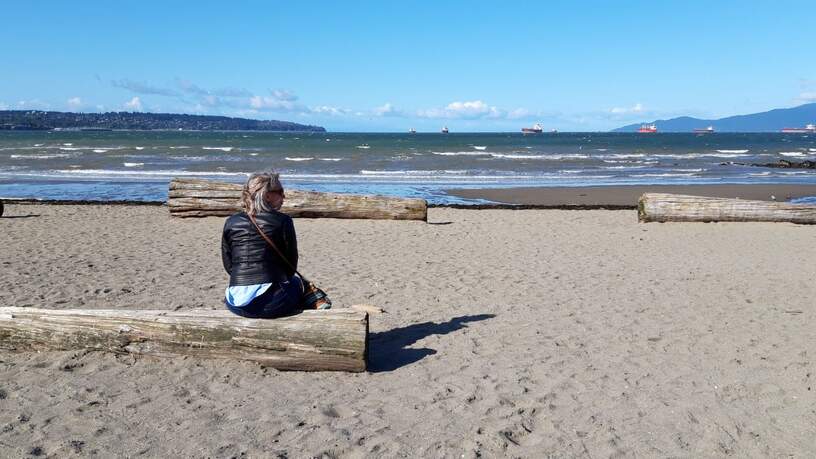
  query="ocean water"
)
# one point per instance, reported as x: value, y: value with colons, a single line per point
x: 134, y: 165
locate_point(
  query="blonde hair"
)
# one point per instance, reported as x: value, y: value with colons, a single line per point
x: 253, y: 197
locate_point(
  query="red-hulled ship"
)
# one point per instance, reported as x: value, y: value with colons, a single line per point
x: 647, y: 128
x: 810, y: 128
x: 536, y: 129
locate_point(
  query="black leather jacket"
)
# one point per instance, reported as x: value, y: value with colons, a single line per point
x: 246, y: 255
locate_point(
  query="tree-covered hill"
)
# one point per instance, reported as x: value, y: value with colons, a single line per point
x: 42, y: 120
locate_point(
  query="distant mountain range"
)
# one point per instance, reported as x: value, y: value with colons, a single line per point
x: 770, y: 121
x: 39, y: 120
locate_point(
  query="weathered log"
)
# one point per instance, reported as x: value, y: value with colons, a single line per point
x: 202, y: 198
x: 661, y: 207
x: 332, y: 340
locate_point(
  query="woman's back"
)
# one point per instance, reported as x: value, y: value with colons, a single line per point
x: 247, y: 256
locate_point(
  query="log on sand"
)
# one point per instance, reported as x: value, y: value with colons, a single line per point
x: 204, y: 198
x: 332, y: 340
x: 661, y: 207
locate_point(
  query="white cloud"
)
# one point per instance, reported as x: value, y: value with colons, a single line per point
x: 329, y: 110
x: 281, y: 94
x: 637, y: 108
x: 387, y: 110
x: 189, y: 87
x: 807, y: 97
x: 74, y: 102
x: 466, y: 110
x: 275, y: 104
x: 4, y: 106
x: 134, y: 104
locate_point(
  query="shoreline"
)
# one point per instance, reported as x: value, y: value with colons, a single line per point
x: 614, y: 197
x: 621, y: 196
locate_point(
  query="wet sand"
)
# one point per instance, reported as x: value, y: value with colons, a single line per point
x: 627, y: 196
x: 509, y: 333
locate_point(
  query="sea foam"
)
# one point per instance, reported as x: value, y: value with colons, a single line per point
x: 54, y: 156
x: 217, y: 148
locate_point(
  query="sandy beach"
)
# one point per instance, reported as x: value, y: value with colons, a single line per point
x: 517, y: 333
x: 626, y: 195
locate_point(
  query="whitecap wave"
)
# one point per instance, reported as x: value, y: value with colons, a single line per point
x: 299, y: 158
x: 330, y: 159
x: 699, y: 155
x: 189, y: 158
x: 100, y: 150
x: 623, y: 156
x: 415, y: 172
x: 544, y: 157
x: 638, y: 166
x: 666, y: 174
x: 133, y: 164
x: 728, y: 155
x: 54, y: 156
x: 217, y: 148
x: 159, y: 173
x: 676, y: 156
x: 460, y: 153
x: 791, y: 153
x: 363, y: 147
x: 480, y: 147
x: 733, y: 151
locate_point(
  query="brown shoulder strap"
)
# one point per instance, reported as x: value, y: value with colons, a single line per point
x: 272, y: 244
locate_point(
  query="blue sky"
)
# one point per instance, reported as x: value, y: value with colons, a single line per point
x: 388, y: 66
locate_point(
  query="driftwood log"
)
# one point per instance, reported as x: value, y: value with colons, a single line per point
x: 332, y: 340
x: 205, y: 198
x: 661, y: 207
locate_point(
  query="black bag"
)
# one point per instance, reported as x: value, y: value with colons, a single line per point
x: 314, y: 297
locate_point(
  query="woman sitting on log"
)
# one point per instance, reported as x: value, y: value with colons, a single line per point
x: 262, y: 285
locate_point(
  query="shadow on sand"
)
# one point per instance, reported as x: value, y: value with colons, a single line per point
x: 20, y: 216
x: 389, y: 350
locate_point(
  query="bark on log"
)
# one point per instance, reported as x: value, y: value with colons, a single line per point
x: 332, y: 340
x: 661, y: 207
x: 202, y: 198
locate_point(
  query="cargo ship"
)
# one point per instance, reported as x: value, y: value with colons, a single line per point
x: 647, y: 128
x: 412, y: 131
x: 536, y: 129
x: 445, y: 130
x: 708, y: 130
x: 810, y: 128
